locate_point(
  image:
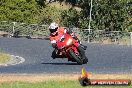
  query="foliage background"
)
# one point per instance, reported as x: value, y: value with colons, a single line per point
x: 109, y: 15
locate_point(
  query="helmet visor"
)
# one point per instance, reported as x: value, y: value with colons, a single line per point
x: 53, y: 30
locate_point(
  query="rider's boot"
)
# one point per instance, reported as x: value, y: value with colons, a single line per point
x: 57, y: 54
x: 53, y: 54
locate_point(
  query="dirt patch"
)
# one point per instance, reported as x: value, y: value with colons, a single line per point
x: 4, y: 34
x: 58, y: 77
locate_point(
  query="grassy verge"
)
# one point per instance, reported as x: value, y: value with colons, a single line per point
x: 4, y: 57
x: 52, y: 84
x: 55, y: 80
x: 127, y: 40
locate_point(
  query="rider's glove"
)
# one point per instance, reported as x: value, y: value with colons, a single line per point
x: 72, y: 35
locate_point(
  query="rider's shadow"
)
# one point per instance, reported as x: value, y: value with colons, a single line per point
x: 60, y: 63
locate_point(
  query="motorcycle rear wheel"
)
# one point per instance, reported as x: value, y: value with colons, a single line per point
x: 73, y: 54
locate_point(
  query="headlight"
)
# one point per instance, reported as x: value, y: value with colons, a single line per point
x: 69, y: 42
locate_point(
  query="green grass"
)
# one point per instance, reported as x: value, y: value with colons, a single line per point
x: 53, y: 84
x: 4, y: 57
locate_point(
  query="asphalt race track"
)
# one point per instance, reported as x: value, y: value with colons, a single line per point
x: 37, y: 54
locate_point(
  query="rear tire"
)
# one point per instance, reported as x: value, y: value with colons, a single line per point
x: 77, y: 59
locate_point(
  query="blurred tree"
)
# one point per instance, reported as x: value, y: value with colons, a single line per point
x: 19, y: 10
x: 106, y: 14
x: 41, y: 2
x: 70, y: 18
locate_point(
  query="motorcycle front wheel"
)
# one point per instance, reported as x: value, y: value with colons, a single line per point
x: 75, y: 57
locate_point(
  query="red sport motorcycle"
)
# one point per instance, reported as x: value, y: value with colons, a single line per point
x: 68, y: 47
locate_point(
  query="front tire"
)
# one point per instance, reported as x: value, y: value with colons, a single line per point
x: 85, y: 61
x: 76, y: 58
x: 82, y: 53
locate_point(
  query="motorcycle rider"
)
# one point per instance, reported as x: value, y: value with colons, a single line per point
x: 55, y: 32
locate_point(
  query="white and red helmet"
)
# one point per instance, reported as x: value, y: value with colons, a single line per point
x: 53, y: 27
